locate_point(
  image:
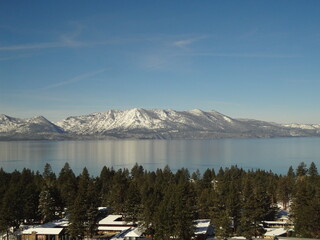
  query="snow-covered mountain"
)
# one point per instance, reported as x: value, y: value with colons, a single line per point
x: 158, y: 123
x: 147, y: 120
x: 150, y: 124
x: 303, y: 126
x: 32, y: 128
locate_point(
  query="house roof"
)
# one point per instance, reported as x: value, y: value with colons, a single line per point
x: 42, y: 230
x: 276, y: 222
x: 113, y: 228
x: 130, y: 232
x: 58, y: 223
x: 114, y: 220
x: 275, y: 232
x: 201, y: 226
x: 135, y: 232
x: 121, y: 235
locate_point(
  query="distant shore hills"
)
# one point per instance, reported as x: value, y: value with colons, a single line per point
x: 139, y: 123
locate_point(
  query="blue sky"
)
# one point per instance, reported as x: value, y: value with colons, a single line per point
x: 249, y: 59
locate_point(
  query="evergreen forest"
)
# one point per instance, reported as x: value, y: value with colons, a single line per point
x: 164, y: 202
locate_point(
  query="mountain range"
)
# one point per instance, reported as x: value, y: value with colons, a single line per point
x: 138, y: 123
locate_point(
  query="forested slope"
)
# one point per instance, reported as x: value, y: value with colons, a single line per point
x: 165, y: 203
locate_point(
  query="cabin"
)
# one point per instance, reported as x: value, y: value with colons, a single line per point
x: 130, y: 234
x: 43, y: 233
x: 113, y: 224
x: 282, y: 221
x: 273, y: 233
x: 203, y: 229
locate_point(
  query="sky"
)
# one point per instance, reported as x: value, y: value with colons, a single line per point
x: 245, y: 59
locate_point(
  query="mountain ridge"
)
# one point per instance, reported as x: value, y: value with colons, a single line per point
x: 140, y: 123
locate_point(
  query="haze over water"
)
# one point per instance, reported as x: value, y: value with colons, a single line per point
x: 276, y: 154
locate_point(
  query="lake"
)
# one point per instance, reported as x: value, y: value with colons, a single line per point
x: 276, y: 154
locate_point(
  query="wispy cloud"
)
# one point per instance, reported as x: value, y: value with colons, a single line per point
x: 65, y: 40
x: 185, y: 42
x: 69, y: 39
x: 75, y: 79
x: 241, y: 55
x: 156, y: 61
x: 33, y: 46
x: 14, y: 57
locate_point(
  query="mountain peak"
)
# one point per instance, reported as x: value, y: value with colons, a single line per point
x: 4, y: 117
x: 196, y: 111
x: 156, y: 123
x: 31, y: 126
x: 40, y: 118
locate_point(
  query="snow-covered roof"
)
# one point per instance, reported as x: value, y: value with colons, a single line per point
x: 201, y: 226
x: 276, y: 222
x: 272, y: 232
x: 102, y: 208
x: 43, y: 230
x: 114, y: 220
x: 58, y: 223
x: 135, y: 232
x: 113, y: 228
x: 130, y: 232
x: 120, y: 236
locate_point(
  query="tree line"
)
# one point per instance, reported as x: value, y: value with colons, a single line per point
x: 165, y: 203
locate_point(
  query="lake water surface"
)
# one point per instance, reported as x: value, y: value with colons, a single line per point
x: 276, y: 154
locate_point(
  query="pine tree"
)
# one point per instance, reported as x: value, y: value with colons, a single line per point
x: 313, y: 171
x: 284, y: 191
x: 137, y: 171
x: 151, y: 197
x: 196, y: 175
x: 315, y: 217
x: 30, y: 197
x: 221, y: 213
x: 184, y: 211
x: 11, y: 212
x: 119, y: 190
x: 47, y: 205
x: 204, y: 203
x: 92, y: 210
x: 247, y: 226
x: 302, y: 170
x: 256, y: 206
x: 105, y: 184
x: 48, y: 175
x: 77, y: 218
x: 78, y: 211
x: 132, y: 203
x: 286, y: 187
x: 164, y: 223
x: 302, y: 210
x: 291, y: 173
x: 67, y: 186
x: 223, y: 229
x: 92, y: 220
x: 207, y: 179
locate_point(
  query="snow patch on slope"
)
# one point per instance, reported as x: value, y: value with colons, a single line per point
x: 28, y: 125
x: 302, y: 126
x: 142, y: 119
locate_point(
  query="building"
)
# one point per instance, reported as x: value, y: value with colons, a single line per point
x: 130, y: 234
x: 113, y: 224
x: 203, y: 229
x: 43, y: 233
x: 282, y: 226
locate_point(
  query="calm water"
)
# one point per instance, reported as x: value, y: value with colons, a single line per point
x: 269, y: 154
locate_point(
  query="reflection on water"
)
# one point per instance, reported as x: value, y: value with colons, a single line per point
x: 269, y: 154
